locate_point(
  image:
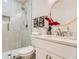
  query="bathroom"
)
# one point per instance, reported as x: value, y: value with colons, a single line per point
x: 39, y: 29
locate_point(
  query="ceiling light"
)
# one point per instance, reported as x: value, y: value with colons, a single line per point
x: 6, y: 1
x: 52, y: 1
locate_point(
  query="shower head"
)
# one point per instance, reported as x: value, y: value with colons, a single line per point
x: 24, y: 9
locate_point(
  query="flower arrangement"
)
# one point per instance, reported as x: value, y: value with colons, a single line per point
x: 51, y: 22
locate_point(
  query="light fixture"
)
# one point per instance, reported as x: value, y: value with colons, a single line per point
x: 51, y: 1
x: 6, y: 1
x: 51, y: 4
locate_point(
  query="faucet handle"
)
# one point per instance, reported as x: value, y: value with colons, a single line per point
x: 68, y: 29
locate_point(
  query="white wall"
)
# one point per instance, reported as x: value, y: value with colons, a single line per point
x: 40, y: 8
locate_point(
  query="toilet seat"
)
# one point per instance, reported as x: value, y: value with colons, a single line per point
x: 26, y: 51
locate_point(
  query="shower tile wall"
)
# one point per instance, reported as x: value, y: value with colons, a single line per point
x: 28, y: 7
x: 19, y: 35
x: 5, y: 37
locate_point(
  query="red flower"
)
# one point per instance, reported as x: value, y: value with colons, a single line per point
x: 51, y: 22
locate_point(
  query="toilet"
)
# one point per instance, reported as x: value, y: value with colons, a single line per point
x: 25, y: 53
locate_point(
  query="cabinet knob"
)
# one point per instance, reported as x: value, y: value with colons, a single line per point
x: 46, y: 56
x: 50, y: 57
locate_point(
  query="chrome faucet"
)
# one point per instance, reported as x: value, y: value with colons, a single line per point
x: 59, y: 33
x: 64, y: 33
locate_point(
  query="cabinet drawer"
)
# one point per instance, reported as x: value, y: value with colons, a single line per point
x: 64, y: 51
x: 42, y: 54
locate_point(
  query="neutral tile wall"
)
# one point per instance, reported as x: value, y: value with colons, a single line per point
x: 19, y: 35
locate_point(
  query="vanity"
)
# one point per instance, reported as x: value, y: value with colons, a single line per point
x: 54, y: 47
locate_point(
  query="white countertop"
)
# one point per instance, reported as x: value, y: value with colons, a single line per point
x: 69, y: 41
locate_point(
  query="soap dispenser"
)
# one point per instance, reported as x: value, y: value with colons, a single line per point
x: 49, y: 30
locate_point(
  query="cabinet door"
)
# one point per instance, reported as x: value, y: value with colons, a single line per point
x: 54, y: 56
x: 40, y: 54
x: 59, y: 49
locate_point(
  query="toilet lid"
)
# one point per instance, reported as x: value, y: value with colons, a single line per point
x: 26, y: 50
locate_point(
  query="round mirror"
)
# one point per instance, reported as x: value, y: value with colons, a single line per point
x: 64, y: 11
